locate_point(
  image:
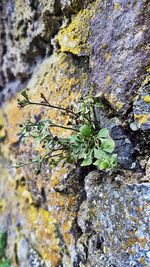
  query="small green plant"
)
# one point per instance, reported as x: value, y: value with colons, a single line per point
x: 3, y: 243
x: 87, y: 144
x: 5, y: 263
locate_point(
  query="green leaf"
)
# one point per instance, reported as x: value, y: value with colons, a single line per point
x: 103, y: 133
x: 113, y: 160
x: 73, y: 138
x: 107, y: 145
x: 5, y: 263
x: 100, y: 154
x: 3, y: 243
x: 101, y: 165
x: 24, y: 94
x: 99, y: 105
x: 77, y: 149
x: 22, y: 103
x: 87, y: 161
x: 82, y: 155
x: 85, y: 130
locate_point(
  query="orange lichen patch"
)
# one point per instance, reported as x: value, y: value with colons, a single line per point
x: 46, y: 242
x: 139, y: 209
x: 66, y: 228
x: 14, y: 118
x: 142, y: 260
x: 142, y: 118
x: 139, y: 214
x: 142, y: 241
x: 131, y: 242
x: 130, y: 251
x: 57, y: 173
x: 61, y: 81
x: 54, y: 79
x: 39, y: 222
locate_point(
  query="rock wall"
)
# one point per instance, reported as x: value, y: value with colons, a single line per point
x: 73, y: 217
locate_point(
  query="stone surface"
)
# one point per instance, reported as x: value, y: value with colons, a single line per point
x: 73, y: 6
x: 54, y: 223
x: 114, y: 220
x: 65, y: 49
x: 141, y: 108
x: 119, y: 50
x: 27, y: 28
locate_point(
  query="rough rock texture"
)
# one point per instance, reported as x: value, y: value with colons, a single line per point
x: 141, y: 108
x: 114, y: 221
x: 27, y: 29
x: 119, y: 43
x: 65, y: 49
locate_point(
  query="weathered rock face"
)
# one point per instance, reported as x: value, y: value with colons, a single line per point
x: 65, y: 49
x: 114, y: 221
x: 27, y: 29
x: 119, y: 43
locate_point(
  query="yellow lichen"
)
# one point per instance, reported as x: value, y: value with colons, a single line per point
x: 2, y: 205
x: 146, y: 98
x: 108, y: 80
x: 107, y: 56
x: 142, y: 118
x: 2, y: 128
x: 116, y: 6
x: 113, y: 100
x: 61, y: 81
x: 142, y: 260
x: 146, y: 81
x: 74, y: 38
x: 133, y: 240
x: 42, y: 224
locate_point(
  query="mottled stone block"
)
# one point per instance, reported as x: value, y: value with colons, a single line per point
x: 119, y: 50
x: 116, y: 221
x: 141, y: 108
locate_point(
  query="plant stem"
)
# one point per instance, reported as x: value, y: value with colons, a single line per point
x: 54, y: 125
x: 64, y: 127
x: 52, y: 106
x: 95, y: 118
x: 52, y: 156
x: 24, y: 164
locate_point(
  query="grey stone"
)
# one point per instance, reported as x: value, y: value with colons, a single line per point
x: 27, y: 29
x: 118, y: 217
x: 73, y: 6
x: 35, y: 259
x: 123, y: 147
x: 119, y: 50
x: 141, y: 108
